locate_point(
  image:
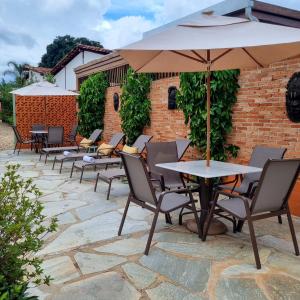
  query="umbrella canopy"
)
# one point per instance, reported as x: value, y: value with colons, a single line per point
x: 43, y: 88
x: 208, y: 43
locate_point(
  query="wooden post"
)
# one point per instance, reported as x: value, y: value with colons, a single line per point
x: 208, y: 93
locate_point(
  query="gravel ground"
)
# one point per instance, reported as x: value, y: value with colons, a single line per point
x: 6, y: 136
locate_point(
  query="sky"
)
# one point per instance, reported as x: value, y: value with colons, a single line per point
x: 28, y: 26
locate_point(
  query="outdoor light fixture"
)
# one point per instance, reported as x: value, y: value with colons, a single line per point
x: 116, y: 101
x: 172, y: 90
x: 293, y: 98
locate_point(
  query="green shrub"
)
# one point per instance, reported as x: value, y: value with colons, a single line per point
x: 22, y: 228
x: 191, y: 99
x: 92, y: 104
x: 135, y: 104
x: 6, y: 100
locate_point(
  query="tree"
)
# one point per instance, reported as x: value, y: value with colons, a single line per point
x: 60, y: 47
x: 19, y: 71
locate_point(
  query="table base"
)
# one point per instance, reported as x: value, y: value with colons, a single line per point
x: 216, y: 227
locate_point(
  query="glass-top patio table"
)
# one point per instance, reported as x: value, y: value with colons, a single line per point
x: 204, y: 176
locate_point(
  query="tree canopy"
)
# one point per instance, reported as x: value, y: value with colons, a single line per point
x: 60, y: 46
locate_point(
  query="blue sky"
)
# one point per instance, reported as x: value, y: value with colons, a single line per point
x: 27, y: 26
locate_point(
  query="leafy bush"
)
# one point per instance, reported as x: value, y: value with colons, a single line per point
x: 191, y: 99
x: 22, y: 228
x: 6, y: 100
x: 92, y: 104
x: 135, y: 104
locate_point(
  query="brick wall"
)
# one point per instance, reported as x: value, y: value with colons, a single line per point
x: 49, y: 110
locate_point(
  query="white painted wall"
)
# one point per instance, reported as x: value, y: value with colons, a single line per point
x: 66, y: 77
x: 35, y: 76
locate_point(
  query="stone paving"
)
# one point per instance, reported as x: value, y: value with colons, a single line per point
x: 6, y: 136
x: 87, y: 259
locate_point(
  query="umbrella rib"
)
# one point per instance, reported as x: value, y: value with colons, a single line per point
x: 221, y: 55
x: 149, y: 60
x: 187, y: 56
x: 199, y: 56
x: 253, y: 58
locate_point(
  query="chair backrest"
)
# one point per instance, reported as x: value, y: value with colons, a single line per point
x: 17, y: 134
x: 259, y: 157
x: 141, y: 141
x: 95, y: 135
x: 163, y: 152
x: 277, y: 181
x: 116, y: 139
x: 73, y: 133
x: 182, y: 146
x: 138, y: 178
x: 38, y: 127
x: 55, y: 135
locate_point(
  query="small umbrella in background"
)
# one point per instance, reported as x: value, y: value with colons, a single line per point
x: 211, y: 43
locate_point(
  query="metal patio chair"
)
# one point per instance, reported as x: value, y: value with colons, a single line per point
x: 20, y: 140
x: 72, y: 136
x: 37, y: 137
x: 182, y: 146
x: 271, y: 197
x: 55, y: 136
x: 143, y: 194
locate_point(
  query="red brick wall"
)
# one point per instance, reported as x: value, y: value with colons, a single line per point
x: 49, y: 110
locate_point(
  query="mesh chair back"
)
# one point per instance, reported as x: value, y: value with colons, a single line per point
x: 138, y: 178
x: 141, y: 141
x: 17, y: 134
x: 38, y: 127
x: 182, y: 146
x: 259, y: 157
x: 73, y: 133
x: 116, y: 139
x: 95, y: 135
x: 55, y: 135
x: 163, y: 152
x: 277, y: 181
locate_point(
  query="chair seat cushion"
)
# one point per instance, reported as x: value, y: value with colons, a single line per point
x: 130, y: 150
x: 105, y: 149
x: 233, y: 205
x: 86, y: 143
x: 173, y: 201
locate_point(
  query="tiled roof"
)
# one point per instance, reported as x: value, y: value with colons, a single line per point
x: 40, y: 70
x: 76, y: 50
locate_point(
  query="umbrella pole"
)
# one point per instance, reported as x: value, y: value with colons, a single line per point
x: 208, y: 95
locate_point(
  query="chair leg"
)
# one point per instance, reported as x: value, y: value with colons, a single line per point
x: 61, y: 165
x: 20, y: 145
x: 196, y: 218
x: 208, y: 221
x: 109, y: 188
x: 292, y: 229
x: 254, y: 243
x: 124, y: 216
x: 54, y: 162
x: 46, y: 158
x: 180, y: 216
x: 15, y: 147
x: 72, y: 169
x: 96, y: 183
x: 279, y: 219
x: 151, y: 232
x: 168, y: 218
x: 82, y: 170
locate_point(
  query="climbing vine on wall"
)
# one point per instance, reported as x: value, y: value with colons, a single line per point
x: 135, y: 104
x: 92, y: 104
x: 191, y: 99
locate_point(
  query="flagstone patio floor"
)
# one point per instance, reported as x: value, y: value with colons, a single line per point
x: 87, y: 259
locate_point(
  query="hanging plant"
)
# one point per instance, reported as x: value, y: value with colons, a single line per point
x: 191, y: 99
x: 92, y: 104
x: 135, y: 104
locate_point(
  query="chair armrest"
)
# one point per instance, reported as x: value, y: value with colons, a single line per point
x: 161, y: 179
x: 184, y: 190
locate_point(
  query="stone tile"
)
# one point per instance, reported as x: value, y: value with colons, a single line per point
x: 46, y: 184
x: 91, y: 263
x: 168, y: 291
x: 97, y: 229
x: 276, y: 243
x: 286, y: 263
x: 140, y: 276
x: 247, y: 256
x: 55, y: 208
x: 237, y: 270
x: 75, y: 187
x: 237, y: 289
x: 192, y: 274
x: 136, y: 212
x: 124, y: 247
x: 217, y: 250
x: 175, y: 237
x: 98, y: 208
x: 56, y: 196
x: 281, y: 287
x: 61, y: 269
x: 66, y: 218
x: 108, y: 286
x: 34, y: 291
x: 29, y: 174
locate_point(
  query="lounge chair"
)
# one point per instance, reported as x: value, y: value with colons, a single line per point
x: 101, y: 159
x: 259, y: 157
x: 143, y: 194
x: 109, y: 175
x: 277, y: 181
x: 47, y: 151
x: 20, y: 140
x: 72, y: 136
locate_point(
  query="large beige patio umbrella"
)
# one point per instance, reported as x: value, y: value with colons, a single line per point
x: 209, y: 43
